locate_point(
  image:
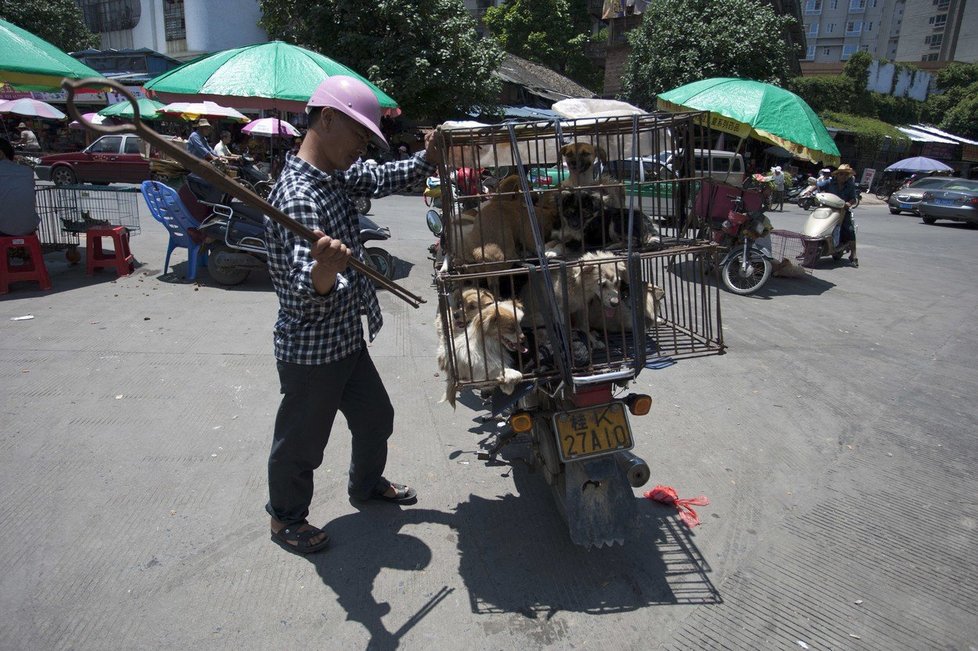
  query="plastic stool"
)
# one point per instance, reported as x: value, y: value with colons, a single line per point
x: 120, y: 258
x: 32, y: 269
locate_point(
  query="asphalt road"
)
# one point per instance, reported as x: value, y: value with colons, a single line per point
x: 835, y: 441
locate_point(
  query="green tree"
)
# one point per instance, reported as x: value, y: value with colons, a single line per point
x: 58, y: 22
x: 962, y: 120
x: 955, y: 84
x: 553, y: 33
x: 682, y: 41
x: 425, y: 54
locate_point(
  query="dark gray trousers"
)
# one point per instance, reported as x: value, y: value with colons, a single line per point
x: 311, y: 396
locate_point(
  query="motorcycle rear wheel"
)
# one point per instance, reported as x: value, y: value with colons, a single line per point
x: 746, y: 281
x: 362, y: 204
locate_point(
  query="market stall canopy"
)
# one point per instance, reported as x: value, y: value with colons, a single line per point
x: 32, y: 108
x: 273, y: 75
x: 28, y: 62
x: 918, y: 164
x: 270, y: 127
x: 206, y: 109
x: 148, y: 110
x: 744, y: 107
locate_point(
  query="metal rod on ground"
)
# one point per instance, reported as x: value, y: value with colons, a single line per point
x: 210, y: 173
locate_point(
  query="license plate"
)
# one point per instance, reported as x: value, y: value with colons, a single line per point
x: 945, y: 202
x: 593, y: 431
x: 906, y: 206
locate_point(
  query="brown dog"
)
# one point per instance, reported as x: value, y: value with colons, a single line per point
x: 500, y: 230
x: 580, y: 158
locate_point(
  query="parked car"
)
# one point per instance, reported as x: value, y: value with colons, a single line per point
x: 906, y: 199
x: 957, y: 201
x: 110, y: 159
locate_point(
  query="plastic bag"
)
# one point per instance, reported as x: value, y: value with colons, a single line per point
x: 668, y: 495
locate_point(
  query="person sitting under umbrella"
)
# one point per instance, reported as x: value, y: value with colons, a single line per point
x: 197, y: 143
x: 223, y: 146
x: 28, y: 141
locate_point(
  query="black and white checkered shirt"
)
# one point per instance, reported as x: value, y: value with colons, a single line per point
x: 311, y: 328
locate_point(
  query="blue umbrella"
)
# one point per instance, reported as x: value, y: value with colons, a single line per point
x: 918, y: 164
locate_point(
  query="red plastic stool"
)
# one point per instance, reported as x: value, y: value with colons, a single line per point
x: 120, y: 258
x: 32, y: 269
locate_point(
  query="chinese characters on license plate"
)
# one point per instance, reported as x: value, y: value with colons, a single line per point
x: 593, y: 431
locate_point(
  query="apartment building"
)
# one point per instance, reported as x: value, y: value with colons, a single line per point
x: 181, y: 29
x: 912, y: 31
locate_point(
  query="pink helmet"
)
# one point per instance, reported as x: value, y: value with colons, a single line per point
x: 355, y: 99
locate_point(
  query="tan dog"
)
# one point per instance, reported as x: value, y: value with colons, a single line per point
x: 619, y: 319
x: 596, y: 278
x: 472, y: 301
x: 484, y: 350
x: 500, y: 230
x: 580, y: 158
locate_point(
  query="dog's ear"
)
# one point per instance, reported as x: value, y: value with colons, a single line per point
x: 658, y: 292
x: 509, y: 184
x: 567, y: 149
x: 600, y: 154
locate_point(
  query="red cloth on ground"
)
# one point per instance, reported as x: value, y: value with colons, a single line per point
x: 668, y: 495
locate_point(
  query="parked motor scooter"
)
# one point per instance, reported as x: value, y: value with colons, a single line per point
x: 746, y: 266
x: 822, y: 228
x: 235, y: 234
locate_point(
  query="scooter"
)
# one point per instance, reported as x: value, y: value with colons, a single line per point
x: 235, y: 234
x: 806, y: 198
x: 747, y: 265
x: 821, y: 231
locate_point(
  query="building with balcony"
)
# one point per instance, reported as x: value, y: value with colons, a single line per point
x: 182, y: 29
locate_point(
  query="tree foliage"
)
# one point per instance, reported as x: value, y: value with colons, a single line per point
x: 551, y: 32
x: 426, y: 54
x: 951, y: 107
x: 682, y: 41
x: 58, y: 22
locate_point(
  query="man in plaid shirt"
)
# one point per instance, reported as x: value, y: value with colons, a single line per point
x: 323, y: 363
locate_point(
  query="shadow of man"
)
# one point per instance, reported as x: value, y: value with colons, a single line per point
x: 370, y: 541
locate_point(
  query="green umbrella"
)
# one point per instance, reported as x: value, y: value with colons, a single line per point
x: 148, y: 109
x: 31, y: 63
x: 744, y: 107
x: 272, y: 75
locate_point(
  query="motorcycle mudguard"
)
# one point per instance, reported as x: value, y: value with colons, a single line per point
x: 821, y: 222
x: 754, y: 248
x: 598, y: 502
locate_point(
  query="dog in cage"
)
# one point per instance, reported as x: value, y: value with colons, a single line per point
x: 588, y: 223
x: 596, y: 278
x: 580, y: 158
x: 500, y: 229
x: 619, y: 319
x: 484, y: 350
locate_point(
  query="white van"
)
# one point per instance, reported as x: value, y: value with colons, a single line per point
x: 719, y: 165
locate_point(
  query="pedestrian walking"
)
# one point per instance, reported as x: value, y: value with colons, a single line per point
x: 322, y: 358
x: 777, y: 178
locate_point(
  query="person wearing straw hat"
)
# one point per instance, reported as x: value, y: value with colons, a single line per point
x: 323, y: 362
x: 28, y: 140
x: 197, y: 142
x: 842, y: 183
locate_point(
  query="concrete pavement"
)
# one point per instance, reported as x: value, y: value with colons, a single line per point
x: 835, y: 441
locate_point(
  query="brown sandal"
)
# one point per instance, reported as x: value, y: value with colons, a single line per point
x: 293, y: 540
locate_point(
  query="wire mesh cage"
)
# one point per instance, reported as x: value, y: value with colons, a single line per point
x: 66, y: 211
x: 789, y: 251
x: 568, y: 251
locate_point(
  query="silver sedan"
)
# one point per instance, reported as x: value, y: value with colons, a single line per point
x: 906, y: 199
x: 957, y: 201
